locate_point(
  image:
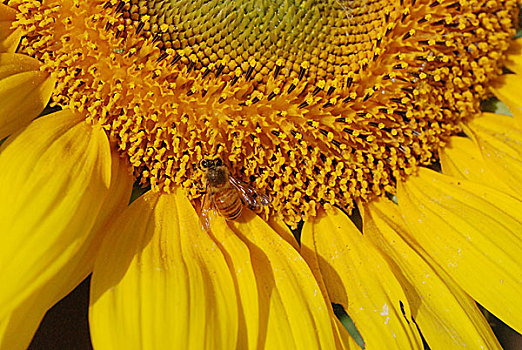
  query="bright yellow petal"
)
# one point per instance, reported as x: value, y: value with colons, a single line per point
x: 9, y: 38
x: 238, y: 258
x: 17, y: 330
x: 473, y: 233
x: 54, y: 177
x: 24, y: 91
x: 344, y: 338
x: 447, y: 317
x: 279, y: 226
x: 514, y: 61
x: 293, y: 312
x: 507, y: 88
x: 160, y: 282
x: 500, y: 142
x: 358, y: 277
x: 462, y: 159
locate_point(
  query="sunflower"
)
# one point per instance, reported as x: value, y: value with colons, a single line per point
x: 393, y: 195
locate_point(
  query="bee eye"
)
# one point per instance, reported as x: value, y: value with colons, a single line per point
x: 218, y: 162
x: 204, y: 164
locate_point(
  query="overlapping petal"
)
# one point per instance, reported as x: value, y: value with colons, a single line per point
x: 473, y: 233
x: 24, y: 91
x: 277, y: 224
x: 462, y: 159
x: 17, y: 330
x: 507, y: 88
x: 54, y: 178
x: 293, y: 313
x: 238, y: 258
x: 171, y: 284
x: 358, y: 277
x: 514, y: 59
x: 161, y: 282
x: 447, y: 317
x: 346, y: 341
x: 500, y: 142
x: 9, y: 37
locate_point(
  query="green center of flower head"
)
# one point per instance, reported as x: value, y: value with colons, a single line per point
x: 315, y: 103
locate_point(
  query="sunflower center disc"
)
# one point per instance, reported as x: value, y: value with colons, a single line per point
x: 316, y: 103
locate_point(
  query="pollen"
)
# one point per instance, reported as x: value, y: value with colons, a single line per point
x: 315, y: 103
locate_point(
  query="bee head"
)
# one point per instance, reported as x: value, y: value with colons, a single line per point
x: 216, y: 173
x: 209, y: 164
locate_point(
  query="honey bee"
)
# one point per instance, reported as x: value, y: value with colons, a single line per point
x: 226, y: 194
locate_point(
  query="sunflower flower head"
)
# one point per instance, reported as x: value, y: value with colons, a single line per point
x: 328, y: 107
x: 317, y: 104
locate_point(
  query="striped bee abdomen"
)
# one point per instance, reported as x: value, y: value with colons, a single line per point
x: 228, y: 203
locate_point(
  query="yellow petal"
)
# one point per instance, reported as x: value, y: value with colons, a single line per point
x: 293, y: 312
x: 24, y: 91
x: 447, y: 317
x: 238, y: 259
x: 18, y: 327
x: 54, y: 177
x: 9, y: 38
x: 500, y: 142
x: 514, y: 61
x: 358, y: 277
x: 507, y: 88
x: 473, y: 233
x: 17, y: 330
x: 345, y: 340
x: 462, y: 159
x: 160, y: 282
x: 279, y: 226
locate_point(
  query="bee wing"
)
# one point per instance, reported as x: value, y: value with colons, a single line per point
x: 206, y: 206
x: 250, y: 195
